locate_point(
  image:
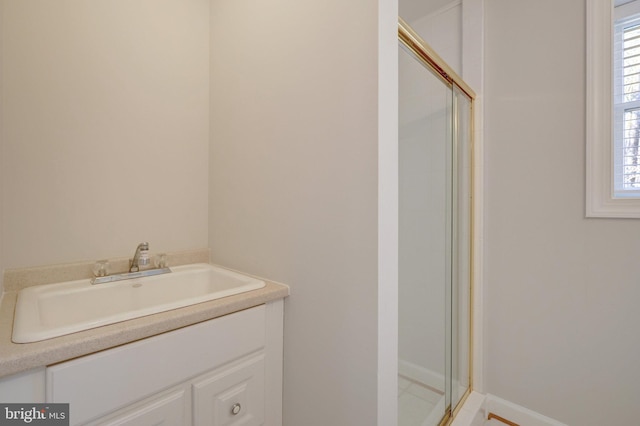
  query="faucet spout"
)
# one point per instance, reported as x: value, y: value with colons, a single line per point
x: 140, y: 258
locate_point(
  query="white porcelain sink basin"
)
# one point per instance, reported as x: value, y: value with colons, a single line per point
x: 52, y: 310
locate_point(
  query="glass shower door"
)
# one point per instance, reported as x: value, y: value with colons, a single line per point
x: 435, y: 234
x: 425, y: 243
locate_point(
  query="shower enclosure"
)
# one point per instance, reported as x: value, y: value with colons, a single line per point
x: 435, y: 190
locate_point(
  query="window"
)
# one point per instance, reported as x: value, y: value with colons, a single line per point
x: 613, y: 108
x: 626, y: 100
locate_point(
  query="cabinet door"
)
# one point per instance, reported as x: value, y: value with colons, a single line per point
x: 231, y: 396
x: 166, y: 410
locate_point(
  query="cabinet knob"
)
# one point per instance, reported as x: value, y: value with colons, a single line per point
x: 236, y: 408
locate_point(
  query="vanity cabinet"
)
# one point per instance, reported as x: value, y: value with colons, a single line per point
x: 225, y: 371
x: 231, y: 395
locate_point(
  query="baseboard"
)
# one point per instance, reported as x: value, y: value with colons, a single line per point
x: 478, y: 407
x: 516, y: 413
x: 421, y: 374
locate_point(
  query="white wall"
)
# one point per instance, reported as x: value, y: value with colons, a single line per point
x: 387, y: 317
x: 562, y: 291
x: 2, y: 249
x: 294, y: 187
x: 104, y: 135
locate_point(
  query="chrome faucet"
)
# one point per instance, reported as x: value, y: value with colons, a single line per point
x: 140, y: 258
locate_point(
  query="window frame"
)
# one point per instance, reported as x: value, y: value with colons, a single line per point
x: 600, y: 200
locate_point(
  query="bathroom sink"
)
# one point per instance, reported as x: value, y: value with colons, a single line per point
x: 52, y: 310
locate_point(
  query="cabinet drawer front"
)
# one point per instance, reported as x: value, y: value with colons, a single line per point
x: 101, y: 383
x: 167, y: 410
x: 231, y: 396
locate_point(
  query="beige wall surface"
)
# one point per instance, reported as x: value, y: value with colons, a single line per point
x: 293, y: 187
x: 105, y: 128
x: 2, y: 255
x: 562, y: 291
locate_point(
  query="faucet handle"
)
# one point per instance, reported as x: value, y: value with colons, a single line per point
x: 101, y: 268
x: 160, y: 260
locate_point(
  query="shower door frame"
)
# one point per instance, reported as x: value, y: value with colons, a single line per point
x: 423, y: 52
